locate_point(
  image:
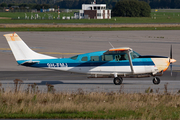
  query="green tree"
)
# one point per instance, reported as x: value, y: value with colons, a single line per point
x: 38, y: 6
x: 11, y: 4
x: 131, y: 8
x: 176, y: 3
x: 3, y: 5
x: 145, y: 9
x: 22, y: 6
x: 45, y: 6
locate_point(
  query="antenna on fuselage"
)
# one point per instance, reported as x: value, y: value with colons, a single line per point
x: 111, y: 44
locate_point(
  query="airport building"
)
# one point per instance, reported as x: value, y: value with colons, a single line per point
x: 93, y: 11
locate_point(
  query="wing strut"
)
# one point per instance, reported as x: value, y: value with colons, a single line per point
x: 130, y: 60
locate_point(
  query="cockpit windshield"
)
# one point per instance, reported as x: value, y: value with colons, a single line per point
x: 134, y: 55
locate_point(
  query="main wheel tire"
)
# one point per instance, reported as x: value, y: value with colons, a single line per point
x: 156, y: 80
x: 118, y: 80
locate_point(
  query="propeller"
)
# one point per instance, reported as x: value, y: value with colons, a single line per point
x: 171, y: 60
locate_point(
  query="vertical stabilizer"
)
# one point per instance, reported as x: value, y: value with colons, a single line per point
x: 21, y: 51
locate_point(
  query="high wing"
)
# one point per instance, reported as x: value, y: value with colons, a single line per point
x: 118, y: 50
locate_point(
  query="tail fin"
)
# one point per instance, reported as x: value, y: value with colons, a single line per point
x: 21, y: 51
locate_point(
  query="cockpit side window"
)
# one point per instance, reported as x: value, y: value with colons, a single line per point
x: 121, y: 57
x: 124, y: 56
x: 74, y: 57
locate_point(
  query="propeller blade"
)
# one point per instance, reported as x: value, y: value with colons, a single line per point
x: 171, y: 68
x: 171, y: 52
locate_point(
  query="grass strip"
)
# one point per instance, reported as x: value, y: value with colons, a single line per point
x: 159, y: 17
x: 156, y: 17
x: 87, y: 29
x: 83, y: 115
x: 158, y: 112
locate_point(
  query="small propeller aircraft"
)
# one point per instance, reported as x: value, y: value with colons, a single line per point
x: 118, y: 63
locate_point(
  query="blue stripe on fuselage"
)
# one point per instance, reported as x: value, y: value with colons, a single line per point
x: 67, y: 62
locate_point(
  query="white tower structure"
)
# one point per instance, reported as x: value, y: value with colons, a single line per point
x: 94, y: 11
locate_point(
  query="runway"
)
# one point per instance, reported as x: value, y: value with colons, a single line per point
x: 66, y: 44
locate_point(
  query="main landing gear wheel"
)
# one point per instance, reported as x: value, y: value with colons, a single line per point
x: 118, y: 80
x: 156, y: 80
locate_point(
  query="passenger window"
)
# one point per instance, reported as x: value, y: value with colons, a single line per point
x: 94, y: 58
x: 84, y: 59
x: 107, y: 57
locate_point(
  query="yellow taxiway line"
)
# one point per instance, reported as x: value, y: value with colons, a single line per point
x: 48, y: 52
x: 5, y: 49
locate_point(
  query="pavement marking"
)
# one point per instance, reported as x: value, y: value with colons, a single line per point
x: 1, y: 49
x: 10, y: 49
x: 59, y: 53
x: 5, y: 49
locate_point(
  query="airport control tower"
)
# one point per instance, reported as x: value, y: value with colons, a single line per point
x: 94, y: 11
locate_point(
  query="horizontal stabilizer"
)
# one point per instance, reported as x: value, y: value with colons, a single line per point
x: 29, y: 62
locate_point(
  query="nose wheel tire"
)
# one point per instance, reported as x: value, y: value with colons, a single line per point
x: 118, y: 80
x: 156, y: 80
